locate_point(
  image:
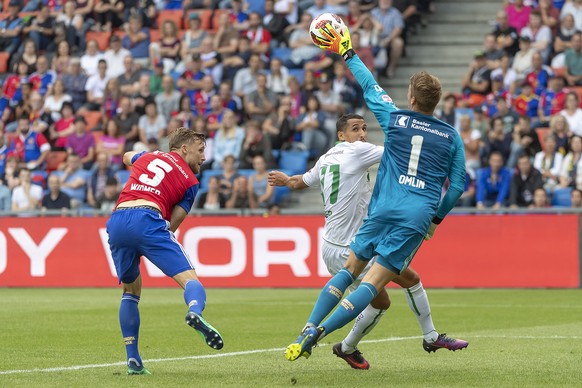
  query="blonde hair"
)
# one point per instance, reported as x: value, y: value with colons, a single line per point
x: 427, y: 91
x: 184, y: 135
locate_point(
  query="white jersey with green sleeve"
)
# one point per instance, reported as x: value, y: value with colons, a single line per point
x: 342, y: 175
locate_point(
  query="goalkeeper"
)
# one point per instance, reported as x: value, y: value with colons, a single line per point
x: 420, y: 153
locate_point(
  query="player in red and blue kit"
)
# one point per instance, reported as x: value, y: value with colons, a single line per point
x: 155, y: 200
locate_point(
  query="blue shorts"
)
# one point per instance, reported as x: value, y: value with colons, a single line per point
x: 393, y: 246
x: 143, y: 232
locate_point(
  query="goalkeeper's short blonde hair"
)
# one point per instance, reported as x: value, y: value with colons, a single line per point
x: 427, y: 90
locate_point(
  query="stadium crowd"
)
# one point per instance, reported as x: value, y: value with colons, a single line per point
x: 519, y: 112
x: 86, y: 80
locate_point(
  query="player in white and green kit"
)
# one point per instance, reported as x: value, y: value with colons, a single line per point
x: 342, y: 176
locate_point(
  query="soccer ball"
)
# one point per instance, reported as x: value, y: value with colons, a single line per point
x: 320, y: 22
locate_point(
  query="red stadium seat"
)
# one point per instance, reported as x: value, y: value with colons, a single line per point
x: 215, y: 17
x: 102, y: 38
x: 559, y: 71
x: 173, y: 15
x: 92, y: 118
x: 4, y: 59
x: 542, y: 133
x: 97, y: 135
x: 54, y: 160
x: 578, y: 90
x: 155, y: 35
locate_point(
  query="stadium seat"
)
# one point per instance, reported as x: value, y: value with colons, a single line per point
x: 280, y: 194
x: 155, y: 35
x: 172, y: 15
x: 282, y: 53
x: 214, y: 20
x: 297, y: 73
x: 122, y: 176
x: 102, y: 38
x: 295, y: 161
x: 578, y: 90
x: 542, y: 132
x: 559, y: 71
x: 206, y: 175
x: 97, y: 135
x: 562, y: 197
x: 92, y: 118
x: 54, y: 160
x: 4, y: 60
x: 39, y: 178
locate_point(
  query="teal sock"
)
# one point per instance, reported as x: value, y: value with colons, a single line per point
x: 330, y: 295
x: 129, y: 321
x: 195, y: 296
x: 350, y: 307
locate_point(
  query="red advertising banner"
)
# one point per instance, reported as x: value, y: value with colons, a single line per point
x: 283, y: 251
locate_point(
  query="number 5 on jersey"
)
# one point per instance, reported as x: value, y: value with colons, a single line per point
x: 159, y: 168
x: 334, y: 169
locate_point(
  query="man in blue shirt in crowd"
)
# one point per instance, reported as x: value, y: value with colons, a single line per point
x: 493, y: 183
x: 420, y: 153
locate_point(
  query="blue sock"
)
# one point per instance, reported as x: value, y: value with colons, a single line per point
x: 195, y: 296
x: 129, y: 320
x: 330, y: 295
x: 350, y: 307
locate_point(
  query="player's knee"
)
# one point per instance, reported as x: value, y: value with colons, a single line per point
x: 381, y: 301
x: 407, y: 278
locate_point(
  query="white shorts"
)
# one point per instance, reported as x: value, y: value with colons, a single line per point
x: 335, y: 258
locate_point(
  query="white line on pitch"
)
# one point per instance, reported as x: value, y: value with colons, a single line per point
x: 246, y: 352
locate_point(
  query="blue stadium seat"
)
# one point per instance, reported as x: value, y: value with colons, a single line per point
x: 562, y: 197
x: 206, y: 175
x: 122, y: 176
x: 297, y: 73
x: 282, y: 53
x: 295, y: 161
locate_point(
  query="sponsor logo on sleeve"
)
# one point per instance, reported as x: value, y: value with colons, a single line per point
x: 386, y: 98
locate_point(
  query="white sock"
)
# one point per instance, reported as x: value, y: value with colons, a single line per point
x: 365, y: 322
x: 418, y: 303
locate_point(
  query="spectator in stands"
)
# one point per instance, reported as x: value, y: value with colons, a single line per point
x: 41, y: 29
x: 30, y: 147
x: 62, y: 60
x: 319, y: 7
x: 563, y: 41
x: 63, y: 127
x: 90, y: 59
x: 258, y: 185
x: 152, y: 124
x: 523, y: 60
x: 369, y: 30
x: 493, y: 183
x: 11, y: 171
x: 523, y: 139
x: 471, y: 139
x: 540, y: 199
x: 215, y: 115
x: 108, y: 198
x: 539, y: 77
x: 110, y: 101
x: 167, y: 50
x: 540, y: 35
x: 507, y: 114
x: 115, y: 57
x: 201, y: 98
x: 212, y: 199
x: 211, y: 60
x: 245, y: 81
x: 242, y: 197
x: 144, y: 94
x: 480, y: 122
x: 239, y: 18
x: 526, y: 104
x: 5, y: 192
x: 549, y: 163
x: 550, y: 15
x: 185, y: 113
x: 168, y: 101
x: 74, y: 180
x: 112, y: 143
x: 74, y: 81
x: 278, y: 77
x: 275, y: 23
x: 279, y: 127
x: 467, y: 199
x: 311, y: 127
x: 29, y: 55
x: 225, y: 40
x: 129, y: 80
x: 82, y: 143
x: 193, y: 37
x: 70, y: 27
x: 10, y: 28
x: 137, y: 40
x: 518, y: 14
x: 259, y: 36
x: 569, y: 175
x: 298, y: 98
x: 39, y: 120
x: 261, y: 102
x: 491, y: 51
x: 228, y: 176
x: 447, y: 113
x: 128, y: 122
x: 228, y: 140
x: 477, y: 81
x: 576, y: 198
x: 12, y: 88
x: 391, y: 39
x: 524, y: 183
x: 95, y: 87
x: 331, y: 105
x: 26, y: 196
x: 55, y: 100
x: 5, y: 197
x: 573, y: 61
x: 300, y: 43
x: 255, y: 143
x: 98, y: 177
x: 506, y: 35
x: 43, y: 78
x: 287, y: 8
x: 561, y: 130
x: 107, y: 16
x: 573, y: 113
x: 497, y: 91
x: 573, y: 7
x: 55, y: 199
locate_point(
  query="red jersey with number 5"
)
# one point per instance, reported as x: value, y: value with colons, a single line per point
x: 163, y: 178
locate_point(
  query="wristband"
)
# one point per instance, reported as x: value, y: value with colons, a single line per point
x: 437, y: 220
x: 349, y: 54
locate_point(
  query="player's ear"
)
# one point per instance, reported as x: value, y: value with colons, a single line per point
x: 340, y: 136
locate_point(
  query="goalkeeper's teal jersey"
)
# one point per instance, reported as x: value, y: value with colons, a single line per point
x: 420, y: 152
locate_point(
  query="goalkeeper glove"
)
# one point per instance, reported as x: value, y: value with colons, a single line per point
x: 337, y: 43
x: 430, y: 231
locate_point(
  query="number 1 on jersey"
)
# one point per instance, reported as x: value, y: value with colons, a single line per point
x: 334, y: 169
x: 416, y: 142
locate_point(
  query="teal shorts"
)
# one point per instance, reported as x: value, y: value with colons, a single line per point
x: 394, y: 246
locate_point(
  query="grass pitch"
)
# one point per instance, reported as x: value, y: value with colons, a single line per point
x: 71, y: 337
